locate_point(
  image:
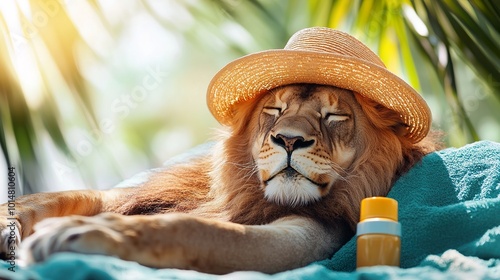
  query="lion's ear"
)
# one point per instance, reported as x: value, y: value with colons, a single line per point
x: 400, y: 129
x: 382, y: 117
x: 245, y: 117
x: 391, y: 119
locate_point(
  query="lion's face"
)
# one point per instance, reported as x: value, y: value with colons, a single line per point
x: 307, y: 138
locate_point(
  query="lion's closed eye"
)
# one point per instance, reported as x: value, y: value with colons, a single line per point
x: 273, y: 111
x: 337, y: 117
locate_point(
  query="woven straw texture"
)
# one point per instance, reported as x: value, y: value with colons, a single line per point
x: 321, y: 56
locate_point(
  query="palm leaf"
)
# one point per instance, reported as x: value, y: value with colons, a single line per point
x: 463, y: 32
x: 48, y: 40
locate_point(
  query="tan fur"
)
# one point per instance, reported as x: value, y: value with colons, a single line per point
x: 230, y: 224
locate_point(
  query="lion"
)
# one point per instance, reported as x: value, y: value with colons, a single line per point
x: 279, y: 189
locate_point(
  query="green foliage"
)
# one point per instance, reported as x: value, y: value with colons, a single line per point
x: 463, y: 34
x: 446, y: 49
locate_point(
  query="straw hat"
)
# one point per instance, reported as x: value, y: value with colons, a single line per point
x: 321, y: 56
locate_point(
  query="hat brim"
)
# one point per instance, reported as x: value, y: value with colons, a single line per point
x: 254, y: 74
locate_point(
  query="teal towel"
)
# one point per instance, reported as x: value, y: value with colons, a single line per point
x: 451, y: 200
x: 449, y: 208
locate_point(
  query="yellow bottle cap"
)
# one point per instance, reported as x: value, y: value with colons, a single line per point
x: 379, y: 207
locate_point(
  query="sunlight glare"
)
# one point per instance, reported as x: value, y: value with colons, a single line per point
x: 415, y: 20
x: 23, y: 57
x: 117, y: 12
x: 239, y: 35
x: 442, y: 54
x: 174, y: 12
x: 144, y: 43
x: 90, y: 27
x: 29, y: 77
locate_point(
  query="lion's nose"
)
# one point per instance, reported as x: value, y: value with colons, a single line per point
x: 291, y: 143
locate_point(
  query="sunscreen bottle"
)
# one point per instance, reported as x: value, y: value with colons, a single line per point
x: 378, y: 233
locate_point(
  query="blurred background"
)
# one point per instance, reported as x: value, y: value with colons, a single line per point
x: 94, y: 91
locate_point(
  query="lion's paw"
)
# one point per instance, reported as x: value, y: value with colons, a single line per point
x: 89, y: 235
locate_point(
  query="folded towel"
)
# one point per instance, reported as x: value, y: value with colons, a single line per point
x: 449, y: 209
